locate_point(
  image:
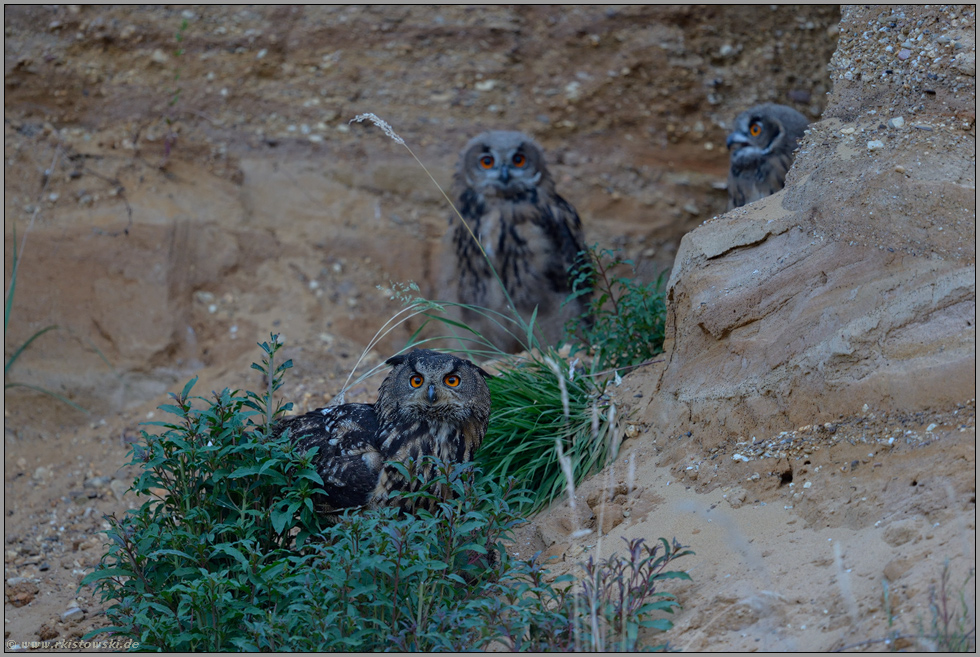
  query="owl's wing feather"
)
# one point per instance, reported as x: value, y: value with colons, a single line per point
x: 565, y: 230
x: 347, y: 457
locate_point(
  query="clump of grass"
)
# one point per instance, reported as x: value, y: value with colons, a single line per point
x: 626, y: 319
x: 541, y: 408
x: 226, y: 553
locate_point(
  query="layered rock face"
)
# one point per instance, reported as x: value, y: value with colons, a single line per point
x: 855, y: 285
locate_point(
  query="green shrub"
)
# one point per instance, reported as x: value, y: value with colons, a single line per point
x: 227, y: 554
x: 627, y: 318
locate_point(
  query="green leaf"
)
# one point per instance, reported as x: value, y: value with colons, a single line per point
x: 662, y: 624
x: 187, y: 388
x: 245, y: 471
x: 233, y: 552
x: 170, y: 408
x: 100, y: 574
x: 282, y: 516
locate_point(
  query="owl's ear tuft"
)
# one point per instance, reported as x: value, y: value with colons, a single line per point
x: 396, y: 360
x: 486, y: 375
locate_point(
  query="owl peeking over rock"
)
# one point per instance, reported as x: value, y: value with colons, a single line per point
x: 430, y: 404
x: 762, y: 147
x: 521, y: 226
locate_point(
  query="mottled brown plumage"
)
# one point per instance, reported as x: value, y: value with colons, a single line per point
x: 762, y: 147
x: 430, y: 404
x: 504, y: 191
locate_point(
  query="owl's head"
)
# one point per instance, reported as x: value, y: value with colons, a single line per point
x: 765, y: 129
x: 435, y: 386
x: 502, y: 163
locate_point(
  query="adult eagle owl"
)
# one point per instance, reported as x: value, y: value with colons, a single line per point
x: 430, y: 404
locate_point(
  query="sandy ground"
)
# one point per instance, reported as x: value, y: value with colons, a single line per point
x: 791, y: 565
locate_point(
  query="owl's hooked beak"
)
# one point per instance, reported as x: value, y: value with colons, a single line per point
x: 504, y: 174
x: 431, y: 394
x: 736, y: 138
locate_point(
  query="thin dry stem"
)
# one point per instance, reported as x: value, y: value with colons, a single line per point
x: 844, y: 582
x: 37, y: 209
x: 614, y: 440
x: 414, y: 311
x: 553, y: 366
x: 566, y: 468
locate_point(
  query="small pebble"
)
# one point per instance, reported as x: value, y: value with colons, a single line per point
x: 72, y: 614
x: 966, y: 63
x: 20, y: 591
x: 97, y: 482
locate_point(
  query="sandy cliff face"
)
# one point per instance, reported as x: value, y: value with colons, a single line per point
x: 857, y: 284
x: 811, y: 429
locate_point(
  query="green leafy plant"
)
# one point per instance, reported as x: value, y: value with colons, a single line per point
x: 619, y: 594
x: 626, y: 320
x: 9, y: 363
x: 952, y: 627
x: 226, y: 553
x: 613, y: 601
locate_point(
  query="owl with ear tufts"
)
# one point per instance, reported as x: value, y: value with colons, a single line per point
x: 762, y: 149
x: 530, y: 234
x: 430, y: 404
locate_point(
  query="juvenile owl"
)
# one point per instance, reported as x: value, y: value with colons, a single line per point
x: 532, y: 236
x: 762, y: 146
x: 430, y: 403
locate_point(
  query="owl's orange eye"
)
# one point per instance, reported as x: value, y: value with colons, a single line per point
x: 755, y: 129
x: 519, y: 160
x: 416, y: 381
x: 486, y: 161
x: 451, y: 380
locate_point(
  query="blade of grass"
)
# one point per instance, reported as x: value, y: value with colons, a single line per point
x: 13, y: 358
x: 60, y: 398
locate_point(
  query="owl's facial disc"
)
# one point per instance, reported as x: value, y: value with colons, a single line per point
x: 507, y: 175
